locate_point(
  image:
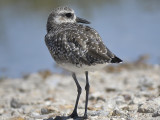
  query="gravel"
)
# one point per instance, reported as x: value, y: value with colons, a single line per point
x: 124, y: 92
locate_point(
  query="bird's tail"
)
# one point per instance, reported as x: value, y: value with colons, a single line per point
x: 115, y: 59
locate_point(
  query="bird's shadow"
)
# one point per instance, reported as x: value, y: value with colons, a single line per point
x: 62, y: 118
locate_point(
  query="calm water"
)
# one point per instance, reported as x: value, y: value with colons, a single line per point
x: 129, y: 28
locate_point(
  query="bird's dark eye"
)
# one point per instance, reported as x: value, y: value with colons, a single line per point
x: 68, y: 15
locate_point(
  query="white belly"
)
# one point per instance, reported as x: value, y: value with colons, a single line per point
x: 83, y: 68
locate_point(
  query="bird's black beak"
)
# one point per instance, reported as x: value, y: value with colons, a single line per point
x: 81, y: 20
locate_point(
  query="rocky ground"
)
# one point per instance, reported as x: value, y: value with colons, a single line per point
x: 124, y: 92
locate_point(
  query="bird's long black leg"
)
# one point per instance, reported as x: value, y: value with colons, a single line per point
x: 79, y: 89
x: 87, y: 93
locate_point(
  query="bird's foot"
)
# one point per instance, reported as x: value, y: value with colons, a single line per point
x: 75, y: 116
x: 85, y: 116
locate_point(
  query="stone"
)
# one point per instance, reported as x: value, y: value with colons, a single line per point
x: 156, y: 113
x: 15, y: 103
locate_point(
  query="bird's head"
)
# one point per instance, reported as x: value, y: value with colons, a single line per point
x: 64, y: 15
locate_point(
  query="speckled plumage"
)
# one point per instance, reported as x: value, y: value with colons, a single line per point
x: 77, y: 48
x: 75, y: 44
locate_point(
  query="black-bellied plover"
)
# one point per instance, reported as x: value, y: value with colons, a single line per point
x: 76, y: 47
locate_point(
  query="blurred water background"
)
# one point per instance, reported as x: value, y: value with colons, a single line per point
x: 130, y: 28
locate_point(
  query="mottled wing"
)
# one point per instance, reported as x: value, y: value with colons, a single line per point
x: 97, y: 52
x: 80, y: 46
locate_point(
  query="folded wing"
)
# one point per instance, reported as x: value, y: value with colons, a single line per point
x: 79, y: 46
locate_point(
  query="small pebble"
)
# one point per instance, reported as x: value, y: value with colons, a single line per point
x: 15, y: 103
x: 156, y: 113
x: 127, y: 97
x: 110, y: 89
x: 1, y: 111
x: 144, y: 108
x: 18, y: 118
x: 44, y: 111
x: 117, y: 112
